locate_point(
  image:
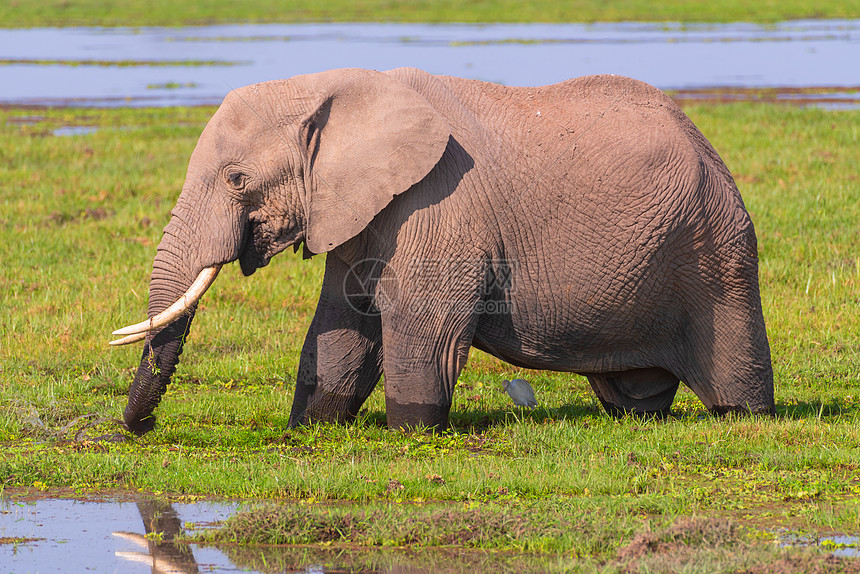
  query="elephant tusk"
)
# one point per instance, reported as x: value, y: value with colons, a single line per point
x: 183, y: 304
x: 128, y: 340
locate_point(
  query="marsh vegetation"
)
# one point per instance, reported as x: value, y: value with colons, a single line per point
x: 163, y: 13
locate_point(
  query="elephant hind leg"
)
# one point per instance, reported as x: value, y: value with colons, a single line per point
x: 735, y: 373
x: 646, y: 392
x: 731, y: 371
x: 728, y: 364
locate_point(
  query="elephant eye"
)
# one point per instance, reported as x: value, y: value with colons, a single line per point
x: 236, y: 179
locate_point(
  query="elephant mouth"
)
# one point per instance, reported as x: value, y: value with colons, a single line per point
x: 260, y: 244
x: 253, y: 254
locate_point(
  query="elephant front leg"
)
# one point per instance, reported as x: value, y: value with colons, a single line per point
x: 341, y: 360
x: 338, y: 369
x: 424, y: 355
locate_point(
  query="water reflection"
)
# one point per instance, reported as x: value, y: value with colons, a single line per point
x: 158, y: 547
x: 104, y: 535
x: 842, y: 545
x: 74, y: 131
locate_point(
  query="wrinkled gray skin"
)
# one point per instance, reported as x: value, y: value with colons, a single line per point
x: 586, y: 226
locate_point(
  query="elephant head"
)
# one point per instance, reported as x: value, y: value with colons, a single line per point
x: 311, y: 160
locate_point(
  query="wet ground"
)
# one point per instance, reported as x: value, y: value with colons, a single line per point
x: 801, y: 61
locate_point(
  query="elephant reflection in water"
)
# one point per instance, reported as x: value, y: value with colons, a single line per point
x: 163, y: 553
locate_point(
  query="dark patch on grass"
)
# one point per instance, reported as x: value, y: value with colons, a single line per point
x: 725, y: 545
x: 685, y: 533
x: 62, y: 218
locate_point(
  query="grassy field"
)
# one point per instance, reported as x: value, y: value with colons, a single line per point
x: 20, y: 13
x: 79, y: 220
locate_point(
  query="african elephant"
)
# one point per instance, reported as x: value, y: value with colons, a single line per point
x: 586, y: 226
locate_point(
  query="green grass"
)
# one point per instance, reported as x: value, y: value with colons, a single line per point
x: 79, y: 220
x: 20, y: 13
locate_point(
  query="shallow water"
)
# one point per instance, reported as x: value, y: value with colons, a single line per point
x: 137, y: 535
x: 841, y: 545
x: 199, y: 65
x: 106, y: 536
x: 74, y: 130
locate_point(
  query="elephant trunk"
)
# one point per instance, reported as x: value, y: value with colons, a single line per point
x: 177, y: 284
x: 163, y: 343
x: 165, y: 332
x: 157, y: 364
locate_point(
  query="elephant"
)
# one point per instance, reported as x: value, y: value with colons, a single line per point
x: 586, y: 227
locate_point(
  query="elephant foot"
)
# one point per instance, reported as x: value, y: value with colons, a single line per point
x: 646, y: 392
x: 745, y: 410
x: 140, y: 427
x: 416, y: 415
x: 327, y: 407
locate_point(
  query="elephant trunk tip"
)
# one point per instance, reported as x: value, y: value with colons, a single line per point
x: 139, y: 426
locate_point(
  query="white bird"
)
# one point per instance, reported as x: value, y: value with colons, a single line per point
x: 521, y: 392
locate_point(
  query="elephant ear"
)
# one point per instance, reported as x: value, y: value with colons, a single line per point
x: 371, y: 137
